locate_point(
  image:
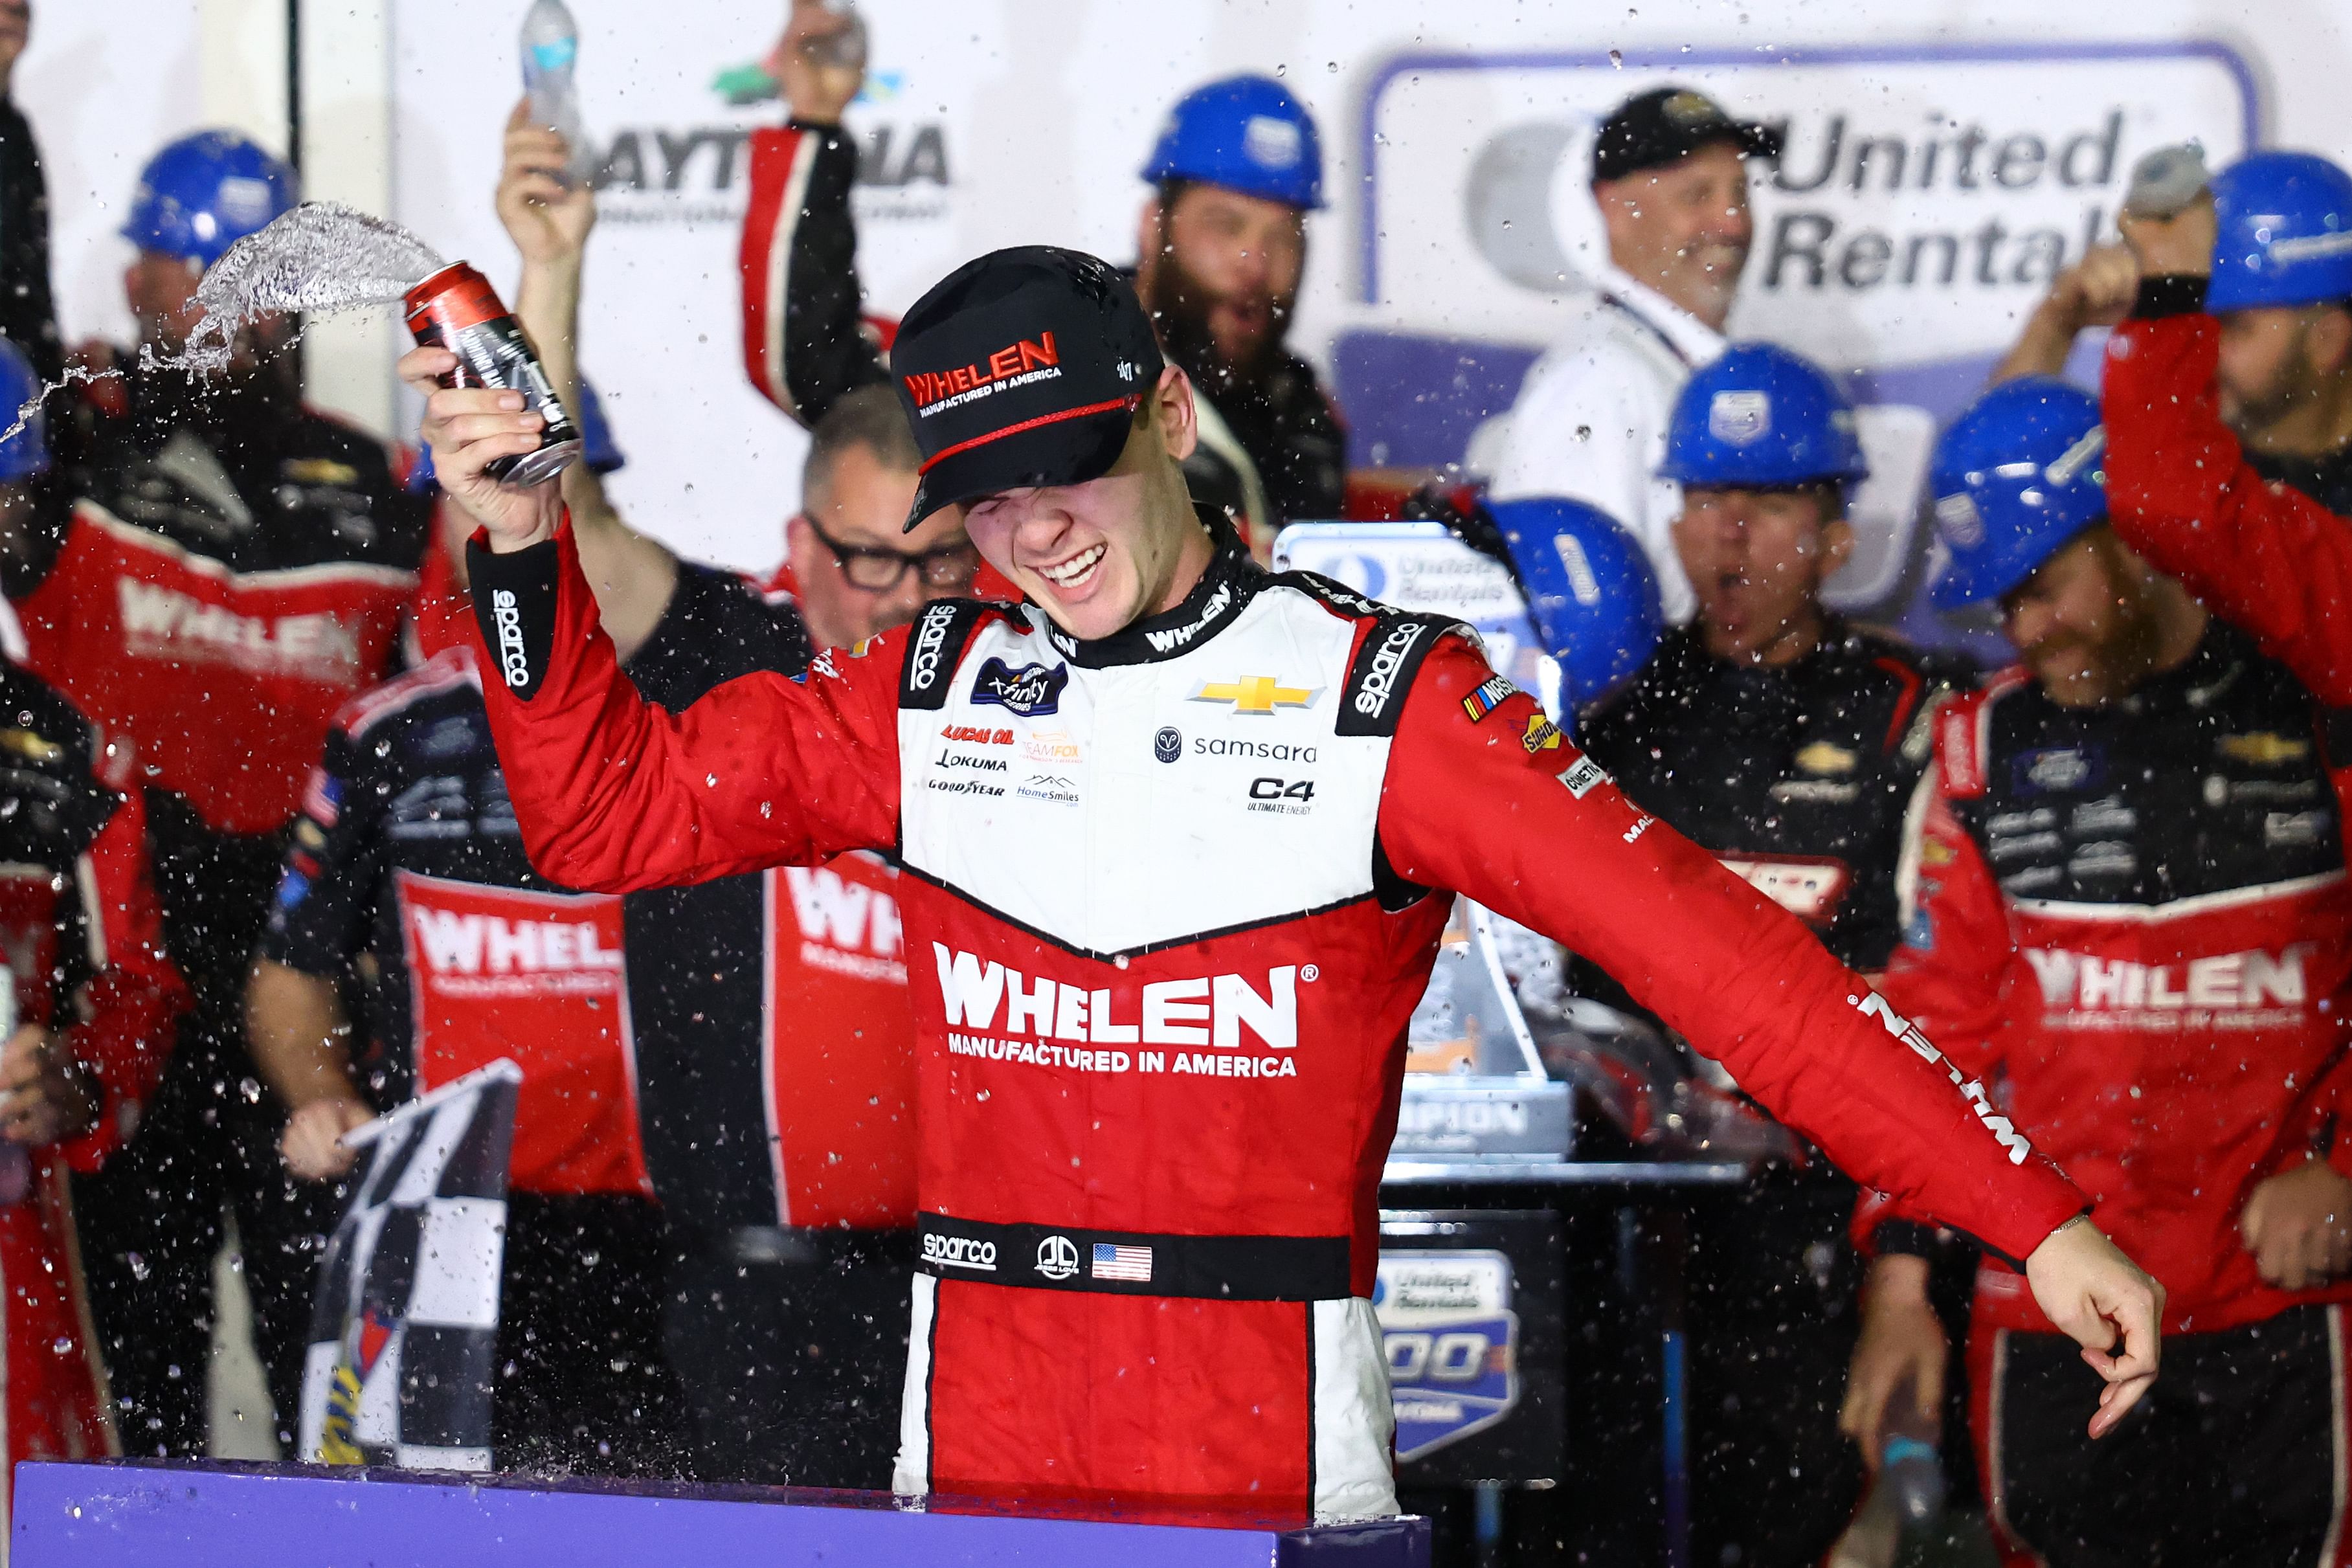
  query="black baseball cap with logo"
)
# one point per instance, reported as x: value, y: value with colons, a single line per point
x: 1667, y: 124
x: 1019, y: 369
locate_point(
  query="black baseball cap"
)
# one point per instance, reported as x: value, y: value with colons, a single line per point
x: 1021, y: 368
x: 1667, y: 124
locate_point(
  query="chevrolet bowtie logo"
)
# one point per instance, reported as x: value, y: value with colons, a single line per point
x: 1256, y: 694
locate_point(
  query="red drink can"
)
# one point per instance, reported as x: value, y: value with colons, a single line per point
x: 457, y: 309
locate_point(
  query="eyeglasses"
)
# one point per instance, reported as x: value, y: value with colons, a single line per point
x: 875, y: 570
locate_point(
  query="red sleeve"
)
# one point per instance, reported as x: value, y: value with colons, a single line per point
x: 2180, y: 492
x: 128, y: 1011
x: 806, y: 339
x: 615, y: 794
x: 1544, y: 837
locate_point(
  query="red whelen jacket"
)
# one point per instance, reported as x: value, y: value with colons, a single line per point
x: 1168, y: 900
x: 81, y: 934
x: 2266, y: 556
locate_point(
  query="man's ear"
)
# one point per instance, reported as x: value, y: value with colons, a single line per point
x: 1837, y: 546
x: 1172, y: 412
x: 2328, y: 341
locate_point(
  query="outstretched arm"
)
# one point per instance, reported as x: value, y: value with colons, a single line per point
x: 1556, y: 847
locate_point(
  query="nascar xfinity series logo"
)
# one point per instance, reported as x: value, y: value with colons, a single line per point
x: 1031, y: 691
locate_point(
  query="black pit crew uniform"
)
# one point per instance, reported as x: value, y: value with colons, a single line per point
x: 775, y: 1053
x: 212, y: 572
x: 407, y: 881
x: 1797, y: 778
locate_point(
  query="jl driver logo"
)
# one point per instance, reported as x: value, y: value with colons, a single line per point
x: 1058, y: 1258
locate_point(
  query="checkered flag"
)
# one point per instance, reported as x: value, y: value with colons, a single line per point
x: 404, y: 1330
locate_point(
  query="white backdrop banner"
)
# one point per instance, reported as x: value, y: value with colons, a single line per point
x: 1935, y: 176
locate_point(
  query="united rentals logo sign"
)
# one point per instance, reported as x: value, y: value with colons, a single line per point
x: 1923, y: 200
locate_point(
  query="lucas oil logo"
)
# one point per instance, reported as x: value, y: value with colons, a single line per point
x: 1031, y: 691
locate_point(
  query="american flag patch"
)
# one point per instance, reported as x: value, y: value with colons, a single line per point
x: 322, y: 800
x: 1122, y: 1263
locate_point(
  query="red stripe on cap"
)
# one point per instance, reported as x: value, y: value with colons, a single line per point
x: 947, y: 452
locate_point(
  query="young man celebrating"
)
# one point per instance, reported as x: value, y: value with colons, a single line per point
x: 2128, y: 898
x: 1164, y: 981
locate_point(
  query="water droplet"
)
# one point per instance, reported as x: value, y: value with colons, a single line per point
x: 1616, y: 61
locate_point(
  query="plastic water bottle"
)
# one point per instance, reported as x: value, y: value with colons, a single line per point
x: 847, y: 47
x: 15, y: 1159
x: 550, y: 47
x: 1911, y: 1465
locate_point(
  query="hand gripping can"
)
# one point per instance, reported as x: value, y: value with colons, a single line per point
x: 457, y: 309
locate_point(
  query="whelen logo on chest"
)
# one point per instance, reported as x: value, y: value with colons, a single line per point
x: 1213, y: 1011
x: 160, y: 622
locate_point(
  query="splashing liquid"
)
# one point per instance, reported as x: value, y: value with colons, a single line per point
x: 320, y: 258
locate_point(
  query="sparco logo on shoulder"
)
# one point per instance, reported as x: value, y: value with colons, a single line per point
x: 929, y: 638
x: 959, y: 1252
x: 512, y: 659
x: 1379, y: 681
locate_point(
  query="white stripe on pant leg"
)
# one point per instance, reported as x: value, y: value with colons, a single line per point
x: 1996, y: 1483
x: 1354, y: 1418
x: 2337, y: 1436
x: 912, y: 1476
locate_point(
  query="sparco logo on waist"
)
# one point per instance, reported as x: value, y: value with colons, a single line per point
x: 512, y: 659
x: 1379, y: 681
x: 959, y: 1252
x: 930, y: 638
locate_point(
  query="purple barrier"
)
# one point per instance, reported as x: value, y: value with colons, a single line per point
x: 122, y: 1513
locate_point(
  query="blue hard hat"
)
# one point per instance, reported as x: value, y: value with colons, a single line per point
x: 1762, y: 416
x: 1590, y: 592
x: 26, y: 453
x: 2016, y: 477
x: 595, y: 435
x: 204, y: 193
x: 2284, y: 234
x: 1246, y: 134
x: 595, y: 440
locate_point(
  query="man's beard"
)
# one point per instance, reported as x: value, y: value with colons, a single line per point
x: 1180, y: 309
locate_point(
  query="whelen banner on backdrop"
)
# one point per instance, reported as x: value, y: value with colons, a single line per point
x: 1935, y: 178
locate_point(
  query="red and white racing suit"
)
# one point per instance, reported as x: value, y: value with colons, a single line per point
x: 1167, y: 905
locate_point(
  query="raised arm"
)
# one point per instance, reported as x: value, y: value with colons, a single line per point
x: 805, y: 341
x: 1556, y: 847
x: 2263, y: 556
x: 549, y: 221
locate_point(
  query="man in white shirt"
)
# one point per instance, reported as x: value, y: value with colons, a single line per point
x: 1670, y: 176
